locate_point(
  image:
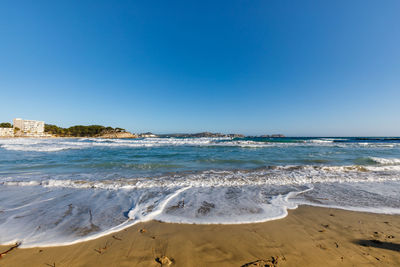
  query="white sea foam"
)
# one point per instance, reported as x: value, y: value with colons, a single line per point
x: 229, y: 197
x: 64, y: 198
x: 55, y: 145
x: 276, y: 175
x: 386, y: 161
x: 323, y: 141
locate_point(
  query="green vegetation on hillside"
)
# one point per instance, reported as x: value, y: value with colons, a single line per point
x: 80, y: 130
x: 5, y: 125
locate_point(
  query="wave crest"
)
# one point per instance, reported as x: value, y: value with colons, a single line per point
x: 273, y: 175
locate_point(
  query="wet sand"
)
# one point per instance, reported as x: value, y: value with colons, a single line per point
x: 308, y: 236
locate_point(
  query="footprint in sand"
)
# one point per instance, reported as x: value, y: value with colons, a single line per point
x: 116, y: 238
x: 273, y: 262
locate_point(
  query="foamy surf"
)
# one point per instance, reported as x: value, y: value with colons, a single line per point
x: 273, y: 175
x: 64, y: 191
x: 56, y: 145
x: 386, y: 161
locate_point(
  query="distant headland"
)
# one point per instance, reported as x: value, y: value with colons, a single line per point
x: 33, y: 128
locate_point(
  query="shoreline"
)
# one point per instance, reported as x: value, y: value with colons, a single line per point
x: 64, y: 137
x: 309, y: 236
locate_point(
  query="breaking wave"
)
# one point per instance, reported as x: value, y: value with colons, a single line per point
x: 60, y: 144
x: 385, y: 161
x: 64, y: 191
x: 272, y: 175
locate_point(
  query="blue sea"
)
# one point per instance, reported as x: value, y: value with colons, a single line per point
x: 64, y: 191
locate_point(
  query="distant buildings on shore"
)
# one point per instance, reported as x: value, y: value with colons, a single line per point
x: 6, y: 132
x: 24, y: 128
x: 32, y: 128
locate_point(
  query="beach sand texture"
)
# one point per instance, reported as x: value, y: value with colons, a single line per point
x: 308, y: 236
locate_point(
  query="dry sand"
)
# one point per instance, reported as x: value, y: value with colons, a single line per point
x: 308, y: 236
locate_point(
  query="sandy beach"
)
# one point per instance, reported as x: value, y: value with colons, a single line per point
x: 199, y: 133
x: 308, y: 236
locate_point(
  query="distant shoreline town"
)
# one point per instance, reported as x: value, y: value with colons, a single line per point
x: 23, y: 128
x: 38, y: 129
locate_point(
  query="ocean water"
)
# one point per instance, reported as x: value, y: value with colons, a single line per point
x: 63, y: 191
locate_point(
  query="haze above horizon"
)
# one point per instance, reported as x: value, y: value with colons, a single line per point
x: 304, y: 68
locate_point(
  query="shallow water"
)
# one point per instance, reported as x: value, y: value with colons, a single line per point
x: 61, y: 191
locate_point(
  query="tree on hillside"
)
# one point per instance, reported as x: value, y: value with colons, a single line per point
x: 80, y: 130
x: 5, y: 125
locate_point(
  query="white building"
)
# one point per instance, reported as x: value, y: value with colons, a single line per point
x: 6, y: 132
x: 28, y: 128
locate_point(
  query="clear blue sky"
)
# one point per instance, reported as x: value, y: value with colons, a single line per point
x: 309, y: 68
